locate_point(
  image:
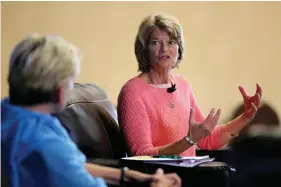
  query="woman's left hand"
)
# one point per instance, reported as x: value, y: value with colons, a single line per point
x: 251, y: 103
x: 158, y: 179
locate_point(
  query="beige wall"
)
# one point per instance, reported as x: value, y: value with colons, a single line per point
x: 227, y: 43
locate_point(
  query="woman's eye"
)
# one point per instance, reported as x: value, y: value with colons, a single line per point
x: 172, y: 42
x: 154, y: 42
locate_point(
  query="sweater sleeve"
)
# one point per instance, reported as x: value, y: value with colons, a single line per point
x: 213, y: 141
x: 134, y: 123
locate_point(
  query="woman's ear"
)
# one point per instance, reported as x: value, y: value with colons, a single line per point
x: 59, y: 95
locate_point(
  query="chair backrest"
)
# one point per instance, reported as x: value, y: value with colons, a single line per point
x: 91, y: 93
x: 91, y: 120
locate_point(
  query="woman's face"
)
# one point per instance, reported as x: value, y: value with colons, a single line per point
x: 162, y: 50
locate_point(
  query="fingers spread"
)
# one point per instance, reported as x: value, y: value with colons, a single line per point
x: 259, y: 89
x: 252, y: 112
x: 257, y: 100
x: 254, y: 108
x: 210, y: 116
x: 212, y: 120
x: 243, y: 92
x: 191, y: 116
x: 216, y: 118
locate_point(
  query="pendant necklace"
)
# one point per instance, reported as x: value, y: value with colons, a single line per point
x: 171, y: 104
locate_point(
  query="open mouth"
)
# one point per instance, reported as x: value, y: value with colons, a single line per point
x: 164, y: 57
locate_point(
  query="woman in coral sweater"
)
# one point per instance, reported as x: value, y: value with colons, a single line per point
x: 157, y: 110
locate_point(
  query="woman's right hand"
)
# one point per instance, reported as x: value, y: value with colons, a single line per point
x: 198, y: 131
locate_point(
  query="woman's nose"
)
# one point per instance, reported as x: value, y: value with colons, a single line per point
x: 164, y: 46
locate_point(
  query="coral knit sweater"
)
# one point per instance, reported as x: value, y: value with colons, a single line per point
x: 148, y: 122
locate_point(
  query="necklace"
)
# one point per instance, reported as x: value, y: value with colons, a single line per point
x: 171, y: 104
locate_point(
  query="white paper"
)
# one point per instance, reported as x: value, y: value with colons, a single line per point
x: 185, y: 163
x: 151, y: 159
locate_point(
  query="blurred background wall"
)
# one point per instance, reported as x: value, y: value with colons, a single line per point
x: 227, y: 44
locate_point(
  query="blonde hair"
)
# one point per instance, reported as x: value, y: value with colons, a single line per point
x: 41, y: 62
x: 165, y: 22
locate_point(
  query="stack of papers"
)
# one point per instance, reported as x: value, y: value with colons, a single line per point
x: 181, y: 161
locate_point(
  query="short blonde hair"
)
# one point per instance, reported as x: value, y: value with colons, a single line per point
x: 41, y: 62
x: 165, y: 22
